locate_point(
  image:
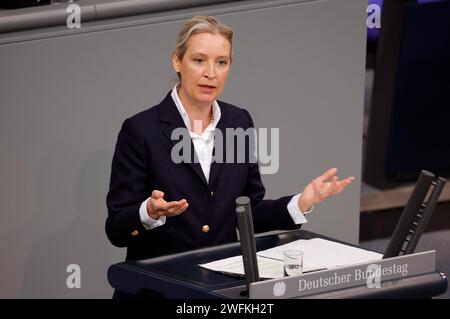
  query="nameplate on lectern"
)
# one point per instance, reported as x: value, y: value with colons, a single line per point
x: 369, y: 274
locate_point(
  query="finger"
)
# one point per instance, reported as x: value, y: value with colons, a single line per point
x: 157, y: 194
x: 347, y: 181
x: 181, y: 204
x: 340, y: 188
x: 182, y: 209
x: 176, y: 202
x: 174, y: 209
x: 171, y: 205
x: 327, y: 174
x: 333, y: 185
x: 341, y: 185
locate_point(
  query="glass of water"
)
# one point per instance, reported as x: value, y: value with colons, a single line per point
x: 292, y: 262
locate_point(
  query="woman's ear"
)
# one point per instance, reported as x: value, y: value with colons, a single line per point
x: 176, y: 63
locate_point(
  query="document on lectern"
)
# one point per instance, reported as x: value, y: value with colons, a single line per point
x: 322, y: 253
x: 268, y: 268
x: 318, y: 254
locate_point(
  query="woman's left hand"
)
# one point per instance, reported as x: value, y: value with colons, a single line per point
x: 319, y: 189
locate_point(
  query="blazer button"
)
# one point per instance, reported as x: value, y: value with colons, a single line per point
x: 134, y: 233
x: 205, y: 229
x: 212, y: 193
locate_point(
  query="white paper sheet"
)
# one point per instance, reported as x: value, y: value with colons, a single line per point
x: 267, y: 267
x: 318, y: 254
x: 321, y: 253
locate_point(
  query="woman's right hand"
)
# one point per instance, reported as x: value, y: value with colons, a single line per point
x: 157, y: 206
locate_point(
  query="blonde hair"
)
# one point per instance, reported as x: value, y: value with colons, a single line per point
x: 201, y: 24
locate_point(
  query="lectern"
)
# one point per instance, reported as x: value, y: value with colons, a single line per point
x: 180, y: 276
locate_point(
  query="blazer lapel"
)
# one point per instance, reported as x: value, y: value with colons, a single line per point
x: 171, y: 117
x: 217, y: 164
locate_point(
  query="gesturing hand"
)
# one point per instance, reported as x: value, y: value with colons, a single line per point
x: 319, y: 189
x: 157, y: 206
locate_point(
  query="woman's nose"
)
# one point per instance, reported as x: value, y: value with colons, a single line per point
x: 210, y: 72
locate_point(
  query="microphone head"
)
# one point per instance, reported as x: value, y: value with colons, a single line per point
x: 242, y: 201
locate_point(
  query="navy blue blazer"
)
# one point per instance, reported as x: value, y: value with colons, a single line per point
x: 142, y: 163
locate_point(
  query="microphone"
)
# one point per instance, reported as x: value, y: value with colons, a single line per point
x: 247, y: 239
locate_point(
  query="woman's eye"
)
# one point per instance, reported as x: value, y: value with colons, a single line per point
x: 223, y: 62
x: 198, y: 60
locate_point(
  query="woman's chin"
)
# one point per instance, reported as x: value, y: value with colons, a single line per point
x: 206, y: 98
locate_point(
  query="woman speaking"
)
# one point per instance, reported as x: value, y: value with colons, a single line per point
x: 157, y: 205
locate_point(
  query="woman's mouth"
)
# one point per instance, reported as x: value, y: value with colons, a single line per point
x: 207, y: 88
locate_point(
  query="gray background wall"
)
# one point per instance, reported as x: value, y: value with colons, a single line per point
x: 298, y: 66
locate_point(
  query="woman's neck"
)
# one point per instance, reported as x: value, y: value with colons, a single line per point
x: 197, y: 112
